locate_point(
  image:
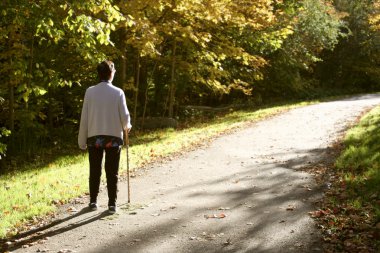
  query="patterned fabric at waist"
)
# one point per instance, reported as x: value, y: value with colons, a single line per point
x: 104, y: 141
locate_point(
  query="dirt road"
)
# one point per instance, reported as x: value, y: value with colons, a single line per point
x: 242, y: 193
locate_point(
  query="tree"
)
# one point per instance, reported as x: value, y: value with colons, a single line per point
x: 314, y: 27
x: 34, y: 38
x: 203, y: 39
x: 355, y: 61
x: 168, y: 53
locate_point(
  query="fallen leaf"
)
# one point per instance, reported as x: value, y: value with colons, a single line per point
x: 215, y: 216
x: 319, y: 213
x: 72, y: 209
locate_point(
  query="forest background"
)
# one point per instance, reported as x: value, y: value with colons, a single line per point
x: 172, y: 54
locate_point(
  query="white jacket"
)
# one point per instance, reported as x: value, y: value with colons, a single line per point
x: 104, y: 112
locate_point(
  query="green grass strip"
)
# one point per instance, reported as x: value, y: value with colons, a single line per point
x: 34, y: 192
x: 360, y: 162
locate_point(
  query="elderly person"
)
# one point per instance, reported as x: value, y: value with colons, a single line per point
x: 104, y: 119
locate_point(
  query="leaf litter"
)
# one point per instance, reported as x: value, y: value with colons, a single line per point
x: 345, y: 227
x: 215, y: 216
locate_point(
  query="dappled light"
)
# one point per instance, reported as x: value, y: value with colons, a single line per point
x: 235, y: 113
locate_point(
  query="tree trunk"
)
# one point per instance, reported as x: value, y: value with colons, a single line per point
x: 50, y: 110
x: 146, y: 94
x: 11, y: 108
x: 172, y: 81
x: 123, y: 63
x: 137, y: 84
x: 29, y: 83
x: 122, y: 74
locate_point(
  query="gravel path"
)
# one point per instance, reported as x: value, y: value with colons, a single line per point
x: 242, y: 193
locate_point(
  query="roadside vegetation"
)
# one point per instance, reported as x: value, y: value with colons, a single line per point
x: 350, y: 213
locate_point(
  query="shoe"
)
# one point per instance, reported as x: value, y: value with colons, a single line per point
x: 93, y: 206
x: 112, y: 209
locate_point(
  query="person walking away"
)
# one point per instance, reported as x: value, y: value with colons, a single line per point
x: 104, y: 119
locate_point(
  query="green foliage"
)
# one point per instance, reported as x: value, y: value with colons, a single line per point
x: 3, y: 133
x: 46, y: 46
x: 202, y: 52
x: 315, y: 27
x: 355, y: 61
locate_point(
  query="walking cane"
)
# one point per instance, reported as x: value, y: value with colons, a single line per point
x: 127, y: 147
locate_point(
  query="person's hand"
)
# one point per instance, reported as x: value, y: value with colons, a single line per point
x: 126, y: 137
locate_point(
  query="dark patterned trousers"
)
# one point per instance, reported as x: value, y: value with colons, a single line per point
x: 112, y: 159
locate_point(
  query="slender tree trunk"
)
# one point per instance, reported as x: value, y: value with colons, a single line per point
x: 145, y: 105
x: 166, y: 104
x: 50, y: 110
x: 29, y: 83
x: 146, y: 94
x: 172, y: 81
x: 11, y: 108
x: 123, y: 63
x: 137, y: 84
x: 31, y: 63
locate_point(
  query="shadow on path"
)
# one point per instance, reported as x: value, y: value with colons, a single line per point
x: 258, y: 206
x: 41, y: 233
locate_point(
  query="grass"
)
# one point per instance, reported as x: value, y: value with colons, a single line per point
x: 32, y: 193
x: 349, y: 215
x: 360, y: 163
x: 36, y: 190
